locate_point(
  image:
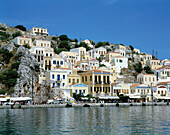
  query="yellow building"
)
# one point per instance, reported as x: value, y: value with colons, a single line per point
x: 153, y: 63
x: 109, y: 55
x: 70, y: 58
x: 121, y: 88
x: 23, y: 40
x: 147, y: 79
x: 98, y: 81
x: 80, y: 89
x: 73, y: 79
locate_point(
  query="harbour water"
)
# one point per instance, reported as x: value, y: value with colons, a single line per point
x: 93, y: 120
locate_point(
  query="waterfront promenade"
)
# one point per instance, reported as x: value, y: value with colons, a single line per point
x: 85, y: 105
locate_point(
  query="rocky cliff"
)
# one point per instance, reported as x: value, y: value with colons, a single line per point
x: 28, y: 71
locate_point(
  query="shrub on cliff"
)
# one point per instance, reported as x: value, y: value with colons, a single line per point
x: 21, y: 27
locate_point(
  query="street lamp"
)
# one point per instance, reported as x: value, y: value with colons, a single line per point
x: 151, y: 93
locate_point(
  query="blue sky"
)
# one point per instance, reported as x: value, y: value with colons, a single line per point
x: 145, y: 24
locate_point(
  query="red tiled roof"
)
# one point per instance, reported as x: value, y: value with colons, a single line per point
x: 163, y: 83
x: 149, y: 74
x: 155, y: 59
x: 24, y: 36
x: 96, y: 70
x: 163, y: 68
x: 162, y: 87
x: 135, y: 85
x: 114, y: 83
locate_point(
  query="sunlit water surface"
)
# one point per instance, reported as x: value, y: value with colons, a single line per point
x: 94, y: 120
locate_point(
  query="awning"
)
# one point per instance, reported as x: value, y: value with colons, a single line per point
x: 130, y: 96
x: 162, y: 97
x: 20, y: 98
x: 84, y: 98
x: 3, y: 99
x: 108, y: 97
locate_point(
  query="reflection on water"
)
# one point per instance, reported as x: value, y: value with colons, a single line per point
x: 96, y: 120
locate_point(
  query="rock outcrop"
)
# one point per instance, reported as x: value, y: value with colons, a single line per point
x: 9, y: 46
x: 28, y: 71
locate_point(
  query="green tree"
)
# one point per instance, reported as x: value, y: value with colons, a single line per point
x: 63, y: 37
x: 6, y: 56
x: 57, y: 51
x: 131, y: 47
x: 64, y: 44
x: 21, y: 27
x: 138, y: 67
x: 15, y: 65
x: 16, y: 34
x: 148, y: 70
x: 99, y: 44
x: 2, y: 91
x: 83, y: 44
x: 107, y: 43
x: 55, y: 38
x: 75, y: 40
x: 102, y: 65
x: 10, y: 82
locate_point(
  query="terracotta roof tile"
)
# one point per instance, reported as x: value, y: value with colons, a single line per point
x: 163, y: 83
x: 135, y: 85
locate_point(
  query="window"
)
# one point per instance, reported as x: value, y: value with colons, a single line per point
x: 53, y: 76
x: 46, y: 54
x: 73, y: 81
x: 83, y: 91
x: 86, y: 78
x: 63, y: 76
x: 61, y: 62
x: 54, y: 61
x: 58, y: 77
x: 57, y: 63
x: 63, y: 84
x: 41, y: 57
x: 53, y: 84
x: 82, y: 79
x: 50, y: 54
x: 77, y: 80
x: 69, y: 80
x: 90, y: 78
x: 76, y: 91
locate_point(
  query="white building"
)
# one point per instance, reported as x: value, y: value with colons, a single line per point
x: 39, y: 53
x: 38, y: 31
x: 57, y: 79
x: 97, y: 52
x: 87, y: 42
x: 119, y: 62
x: 121, y: 49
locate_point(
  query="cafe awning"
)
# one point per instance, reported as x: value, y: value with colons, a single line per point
x: 3, y: 99
x: 135, y: 97
x: 162, y: 97
x: 108, y: 97
x: 20, y: 99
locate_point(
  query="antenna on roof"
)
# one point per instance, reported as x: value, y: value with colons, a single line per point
x: 153, y: 53
x: 156, y: 54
